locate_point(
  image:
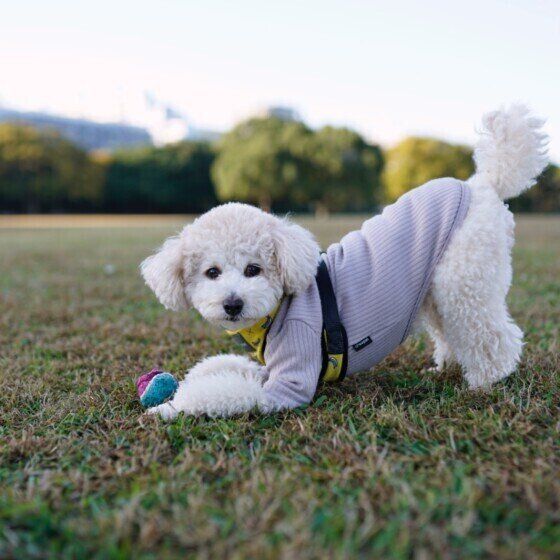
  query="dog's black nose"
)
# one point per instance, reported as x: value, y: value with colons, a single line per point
x: 233, y: 306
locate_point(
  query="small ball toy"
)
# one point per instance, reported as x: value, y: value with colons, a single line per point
x: 155, y: 387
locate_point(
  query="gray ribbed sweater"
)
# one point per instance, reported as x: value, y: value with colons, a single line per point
x: 380, y: 276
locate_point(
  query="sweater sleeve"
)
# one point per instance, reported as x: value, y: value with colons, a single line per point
x: 293, y: 361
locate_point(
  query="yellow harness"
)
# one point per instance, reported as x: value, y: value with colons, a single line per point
x: 255, y: 336
x: 333, y: 340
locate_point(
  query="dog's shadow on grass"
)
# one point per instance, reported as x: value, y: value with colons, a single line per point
x: 397, y: 379
x: 406, y: 380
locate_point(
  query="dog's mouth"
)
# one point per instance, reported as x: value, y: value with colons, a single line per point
x: 237, y: 322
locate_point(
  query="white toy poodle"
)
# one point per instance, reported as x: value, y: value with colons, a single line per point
x: 439, y: 258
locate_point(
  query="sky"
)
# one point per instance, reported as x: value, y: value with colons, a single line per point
x: 385, y: 68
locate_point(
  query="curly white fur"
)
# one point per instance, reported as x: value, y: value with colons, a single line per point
x: 465, y: 311
x: 230, y: 237
x: 511, y: 151
x: 221, y: 385
x: 163, y: 274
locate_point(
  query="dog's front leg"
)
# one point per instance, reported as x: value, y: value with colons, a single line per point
x: 227, y: 362
x: 222, y: 385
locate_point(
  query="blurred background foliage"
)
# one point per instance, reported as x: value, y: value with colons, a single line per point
x: 269, y: 161
x: 415, y: 160
x: 42, y: 172
x: 171, y: 179
x: 277, y: 164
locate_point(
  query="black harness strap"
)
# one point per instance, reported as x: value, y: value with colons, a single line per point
x: 335, y: 341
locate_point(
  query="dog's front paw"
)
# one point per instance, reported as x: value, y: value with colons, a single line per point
x: 166, y: 411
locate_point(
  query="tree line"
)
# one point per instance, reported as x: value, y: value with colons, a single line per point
x: 276, y: 164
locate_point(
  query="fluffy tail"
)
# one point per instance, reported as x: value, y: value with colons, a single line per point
x: 511, y: 151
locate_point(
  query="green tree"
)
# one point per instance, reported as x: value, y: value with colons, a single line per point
x: 415, y: 160
x: 268, y: 160
x: 344, y: 171
x: 261, y: 160
x: 40, y: 171
x: 542, y: 197
x: 173, y: 178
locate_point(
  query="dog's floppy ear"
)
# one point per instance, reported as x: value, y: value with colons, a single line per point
x: 297, y: 255
x: 163, y: 273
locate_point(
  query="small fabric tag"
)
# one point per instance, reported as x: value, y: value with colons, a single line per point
x: 362, y: 343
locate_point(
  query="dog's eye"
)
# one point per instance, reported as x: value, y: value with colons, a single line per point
x: 213, y: 273
x: 252, y: 270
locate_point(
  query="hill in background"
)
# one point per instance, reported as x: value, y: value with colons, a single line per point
x: 156, y: 124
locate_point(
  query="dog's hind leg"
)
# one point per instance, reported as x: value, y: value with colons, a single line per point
x: 469, y: 289
x: 432, y: 323
x: 480, y: 336
x: 486, y: 342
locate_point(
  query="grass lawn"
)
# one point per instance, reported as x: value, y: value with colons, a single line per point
x: 393, y: 463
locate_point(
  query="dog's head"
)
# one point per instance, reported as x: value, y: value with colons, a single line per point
x: 233, y: 264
